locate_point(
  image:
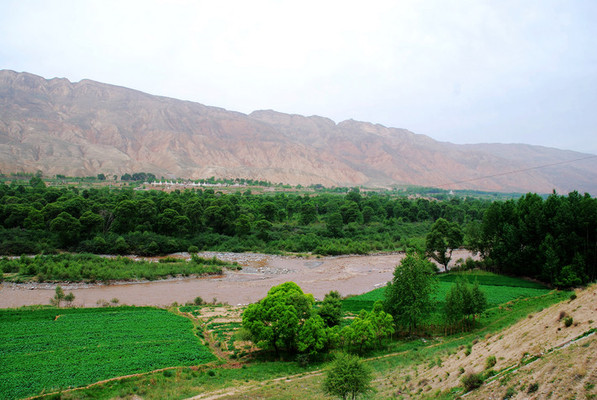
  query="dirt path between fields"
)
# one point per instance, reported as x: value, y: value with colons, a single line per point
x: 348, y: 274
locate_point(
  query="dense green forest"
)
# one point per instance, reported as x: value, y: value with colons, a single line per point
x: 36, y: 218
x: 554, y: 240
x: 551, y: 238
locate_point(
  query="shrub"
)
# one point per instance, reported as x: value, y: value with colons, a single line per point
x: 471, y: 381
x: 568, y: 321
x: 198, y: 301
x: 509, y: 393
x: 193, y: 249
x: 573, y: 296
x: 489, y: 373
x: 490, y: 362
x: 533, y: 387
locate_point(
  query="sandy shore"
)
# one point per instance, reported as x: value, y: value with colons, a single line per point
x: 347, y: 274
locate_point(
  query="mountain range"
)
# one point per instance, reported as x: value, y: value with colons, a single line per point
x: 86, y: 128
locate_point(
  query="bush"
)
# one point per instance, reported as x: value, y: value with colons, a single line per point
x: 471, y: 381
x: 568, y: 321
x: 533, y: 387
x: 573, y: 296
x: 509, y: 393
x: 198, y: 301
x: 489, y: 373
x: 490, y: 362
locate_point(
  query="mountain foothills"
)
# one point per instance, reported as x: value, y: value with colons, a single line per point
x: 86, y: 128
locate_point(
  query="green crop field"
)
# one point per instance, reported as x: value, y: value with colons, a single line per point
x: 49, y: 349
x: 499, y: 289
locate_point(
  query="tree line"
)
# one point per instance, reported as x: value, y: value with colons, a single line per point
x: 553, y: 239
x: 35, y: 218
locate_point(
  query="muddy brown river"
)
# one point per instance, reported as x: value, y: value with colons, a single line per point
x: 346, y: 274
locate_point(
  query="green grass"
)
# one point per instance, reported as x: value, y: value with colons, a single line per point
x: 48, y: 349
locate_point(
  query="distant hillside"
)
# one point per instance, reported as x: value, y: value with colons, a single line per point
x: 86, y: 128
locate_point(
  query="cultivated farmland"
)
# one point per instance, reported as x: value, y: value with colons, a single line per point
x: 50, y: 349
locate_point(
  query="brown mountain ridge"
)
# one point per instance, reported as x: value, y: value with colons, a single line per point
x: 86, y: 128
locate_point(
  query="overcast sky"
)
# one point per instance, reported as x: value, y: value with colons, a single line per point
x: 459, y: 71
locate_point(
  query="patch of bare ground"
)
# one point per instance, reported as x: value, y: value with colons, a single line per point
x: 559, y: 368
x: 567, y: 373
x: 219, y: 326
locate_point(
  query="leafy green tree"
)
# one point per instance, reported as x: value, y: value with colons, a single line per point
x: 347, y: 378
x: 464, y: 302
x: 457, y: 299
x: 91, y: 223
x: 443, y: 238
x: 125, y: 216
x: 268, y: 209
x: 58, y: 297
x: 69, y: 298
x: 308, y: 213
x: 263, y: 228
x: 275, y: 321
x: 334, y: 224
x: 312, y: 336
x: 362, y: 333
x: 478, y: 300
x: 351, y: 213
x: 408, y: 296
x: 331, y: 308
x: 37, y: 183
x: 354, y: 195
x: 242, y: 225
x: 381, y: 322
x: 67, y: 227
x: 35, y: 220
x: 167, y: 221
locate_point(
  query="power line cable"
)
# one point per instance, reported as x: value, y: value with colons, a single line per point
x: 516, y: 171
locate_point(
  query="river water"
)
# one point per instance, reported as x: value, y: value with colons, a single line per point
x: 351, y: 274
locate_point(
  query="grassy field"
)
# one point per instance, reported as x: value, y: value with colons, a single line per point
x: 49, y: 349
x: 499, y: 289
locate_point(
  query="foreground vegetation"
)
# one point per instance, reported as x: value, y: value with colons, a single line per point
x: 88, y: 345
x: 47, y: 349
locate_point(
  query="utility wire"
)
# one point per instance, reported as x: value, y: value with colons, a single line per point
x: 516, y: 171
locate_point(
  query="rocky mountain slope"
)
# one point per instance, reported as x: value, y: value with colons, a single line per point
x: 86, y: 128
